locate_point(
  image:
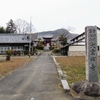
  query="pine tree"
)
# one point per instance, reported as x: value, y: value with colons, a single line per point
x: 11, y: 27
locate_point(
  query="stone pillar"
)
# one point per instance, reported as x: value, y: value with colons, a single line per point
x: 91, y: 54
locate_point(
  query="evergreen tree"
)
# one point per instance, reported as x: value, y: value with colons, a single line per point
x: 11, y: 27
x: 2, y: 30
x: 40, y: 42
x: 63, y: 39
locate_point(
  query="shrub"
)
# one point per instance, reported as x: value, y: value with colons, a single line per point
x: 40, y: 47
x: 51, y: 47
x: 8, y: 52
x: 12, y: 52
x: 56, y: 50
x: 26, y: 52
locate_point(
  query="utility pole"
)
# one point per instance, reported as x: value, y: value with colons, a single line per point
x: 30, y: 39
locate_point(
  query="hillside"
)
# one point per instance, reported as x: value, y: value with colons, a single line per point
x: 55, y: 34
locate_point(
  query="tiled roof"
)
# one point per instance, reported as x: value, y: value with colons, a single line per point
x: 13, y: 38
x: 48, y: 36
x: 41, y: 36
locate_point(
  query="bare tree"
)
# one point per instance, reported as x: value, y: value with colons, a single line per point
x: 23, y: 27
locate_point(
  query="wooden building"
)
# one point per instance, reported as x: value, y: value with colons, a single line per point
x: 17, y: 42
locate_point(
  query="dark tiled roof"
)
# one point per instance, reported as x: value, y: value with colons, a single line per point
x: 98, y: 28
x: 83, y: 34
x: 13, y: 38
x: 42, y: 37
x: 48, y: 36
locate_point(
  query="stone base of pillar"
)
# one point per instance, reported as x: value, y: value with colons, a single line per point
x: 86, y: 90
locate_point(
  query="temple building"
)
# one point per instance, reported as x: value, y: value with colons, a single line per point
x: 16, y: 42
x: 47, y: 41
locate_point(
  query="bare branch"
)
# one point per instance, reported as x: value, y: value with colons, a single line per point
x: 23, y: 27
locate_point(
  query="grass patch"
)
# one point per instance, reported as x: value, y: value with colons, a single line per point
x: 74, y: 68
x: 14, y: 63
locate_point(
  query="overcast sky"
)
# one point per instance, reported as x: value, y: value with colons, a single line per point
x: 52, y: 14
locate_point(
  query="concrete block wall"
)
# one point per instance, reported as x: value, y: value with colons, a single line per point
x: 76, y: 53
x: 98, y: 53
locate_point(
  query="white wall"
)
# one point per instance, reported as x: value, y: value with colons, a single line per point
x: 76, y: 48
x: 98, y: 37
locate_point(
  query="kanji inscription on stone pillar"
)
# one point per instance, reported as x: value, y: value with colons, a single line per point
x: 91, y: 54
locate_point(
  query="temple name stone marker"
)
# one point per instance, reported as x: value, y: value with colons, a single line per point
x: 91, y: 54
x: 90, y: 87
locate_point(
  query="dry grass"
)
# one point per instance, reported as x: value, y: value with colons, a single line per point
x: 14, y: 63
x: 74, y: 67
